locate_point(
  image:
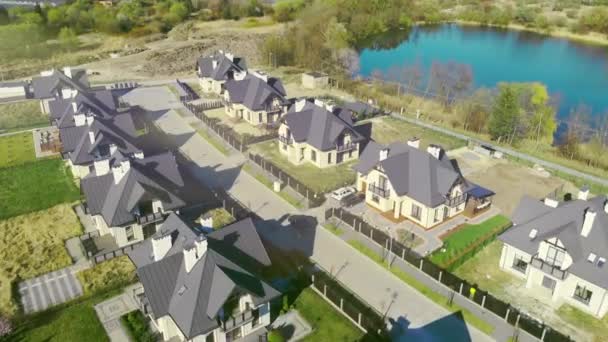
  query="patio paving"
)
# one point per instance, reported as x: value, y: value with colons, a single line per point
x: 292, y: 326
x: 50, y: 289
x: 109, y: 313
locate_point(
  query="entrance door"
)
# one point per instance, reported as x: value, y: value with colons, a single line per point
x: 549, y: 283
x: 446, y: 212
x: 339, y: 158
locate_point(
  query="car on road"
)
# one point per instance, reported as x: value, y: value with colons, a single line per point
x: 352, y: 200
x: 341, y: 193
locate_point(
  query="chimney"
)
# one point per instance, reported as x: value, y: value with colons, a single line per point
x: 240, y: 75
x: 90, y: 119
x: 80, y: 119
x: 229, y: 56
x: 329, y: 107
x: 435, y: 151
x: 193, y: 253
x: 583, y: 193
x: 74, y: 107
x: 91, y: 137
x: 319, y: 103
x: 261, y: 76
x: 120, y: 170
x: 206, y: 221
x: 300, y: 104
x: 214, y: 64
x: 414, y: 142
x: 160, y: 246
x: 551, y: 202
x: 383, y: 154
x: 67, y: 71
x: 102, y: 166
x: 588, y: 222
x: 138, y: 155
x: 113, y: 148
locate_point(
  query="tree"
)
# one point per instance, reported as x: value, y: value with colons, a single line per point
x: 473, y: 111
x: 275, y: 336
x: 68, y: 38
x: 505, y: 115
x: 542, y: 121
x: 4, y: 18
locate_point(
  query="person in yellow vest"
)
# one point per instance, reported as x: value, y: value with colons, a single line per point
x: 472, y: 292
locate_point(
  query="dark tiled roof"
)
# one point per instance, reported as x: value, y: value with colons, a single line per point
x: 46, y: 86
x: 255, y: 93
x: 224, y: 68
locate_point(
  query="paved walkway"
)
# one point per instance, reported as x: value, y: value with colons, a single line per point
x: 109, y: 313
x: 50, y: 289
x: 375, y: 285
x: 292, y: 326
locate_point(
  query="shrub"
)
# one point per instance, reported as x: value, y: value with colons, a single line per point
x: 137, y: 326
x: 5, y: 326
x: 275, y: 336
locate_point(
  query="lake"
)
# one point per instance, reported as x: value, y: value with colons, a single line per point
x: 575, y: 72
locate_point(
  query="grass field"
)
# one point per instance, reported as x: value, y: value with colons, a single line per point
x: 327, y: 323
x: 470, y: 234
x: 221, y: 218
x: 16, y: 149
x: 108, y: 275
x: 420, y: 287
x: 22, y: 115
x: 319, y: 180
x: 35, y: 186
x: 386, y: 130
x: 72, y: 321
x: 33, y: 244
x: 574, y: 316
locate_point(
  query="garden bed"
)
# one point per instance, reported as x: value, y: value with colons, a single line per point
x: 137, y: 325
x: 108, y: 275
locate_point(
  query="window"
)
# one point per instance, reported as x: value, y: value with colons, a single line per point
x: 329, y: 158
x: 381, y: 182
x: 375, y: 198
x: 520, y: 264
x: 130, y: 233
x: 260, y: 117
x: 313, y: 155
x: 416, y: 210
x: 350, y: 154
x: 210, y: 337
x: 436, y: 215
x: 256, y: 317
x: 555, y: 256
x: 582, y: 294
x: 284, y: 147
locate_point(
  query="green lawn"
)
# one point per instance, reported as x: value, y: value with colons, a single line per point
x: 266, y: 182
x: 458, y: 242
x: 35, y: 186
x: 386, y: 130
x: 319, y: 180
x: 327, y: 323
x: 221, y: 218
x: 420, y: 287
x: 333, y: 229
x: 16, y: 149
x: 577, y: 318
x: 22, y: 115
x: 72, y: 321
x: 108, y: 275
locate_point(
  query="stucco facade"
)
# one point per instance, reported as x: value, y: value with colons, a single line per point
x: 169, y: 330
x: 209, y: 85
x: 385, y: 199
x: 237, y: 110
x: 561, y: 285
x: 79, y: 171
x: 123, y: 235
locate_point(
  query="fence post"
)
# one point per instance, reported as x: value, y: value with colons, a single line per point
x: 439, y: 279
x: 325, y: 290
x: 313, y: 279
x: 542, y: 336
x: 460, y: 290
x: 403, y: 253
x: 507, y: 315
x: 371, y: 234
x: 517, y: 320
x: 341, y: 303
x: 483, y: 301
x: 421, y: 262
x: 359, y: 319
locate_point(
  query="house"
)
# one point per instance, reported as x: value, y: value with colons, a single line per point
x: 100, y: 103
x: 315, y: 80
x: 425, y: 187
x: 55, y: 84
x: 561, y: 248
x: 318, y: 133
x: 255, y: 98
x: 201, y: 287
x: 17, y: 90
x: 214, y: 70
x: 129, y: 197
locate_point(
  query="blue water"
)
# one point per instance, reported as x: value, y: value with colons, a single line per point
x: 574, y: 72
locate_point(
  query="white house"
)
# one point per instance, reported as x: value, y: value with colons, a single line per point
x: 214, y: 70
x: 561, y: 247
x: 198, y: 287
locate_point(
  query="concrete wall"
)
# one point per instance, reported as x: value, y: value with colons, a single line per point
x: 209, y: 85
x: 564, y: 289
x: 12, y: 92
x: 312, y: 82
x: 119, y: 233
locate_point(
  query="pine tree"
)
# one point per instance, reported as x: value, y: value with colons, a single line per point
x: 505, y: 115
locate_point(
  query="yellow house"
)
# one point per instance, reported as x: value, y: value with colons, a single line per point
x: 255, y: 98
x: 320, y: 134
x: 407, y: 182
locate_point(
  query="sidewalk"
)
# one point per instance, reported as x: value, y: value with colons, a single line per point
x: 109, y: 313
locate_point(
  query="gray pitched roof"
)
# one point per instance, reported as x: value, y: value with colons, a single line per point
x: 194, y: 299
x: 413, y: 172
x: 564, y: 223
x: 224, y: 69
x: 45, y: 87
x: 156, y: 177
x: 100, y: 103
x: 319, y: 127
x: 255, y: 93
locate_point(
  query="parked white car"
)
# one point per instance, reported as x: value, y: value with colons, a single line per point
x: 341, y: 193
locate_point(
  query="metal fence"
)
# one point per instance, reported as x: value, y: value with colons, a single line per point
x: 227, y: 133
x: 186, y: 92
x: 314, y: 199
x: 113, y: 254
x: 349, y: 304
x: 471, y: 291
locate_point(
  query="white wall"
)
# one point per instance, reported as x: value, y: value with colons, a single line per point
x: 10, y: 92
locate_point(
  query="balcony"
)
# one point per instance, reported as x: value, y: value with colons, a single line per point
x: 150, y: 218
x: 453, y: 202
x: 548, y: 268
x: 285, y: 140
x: 236, y: 320
x: 274, y: 110
x: 346, y: 147
x: 382, y: 192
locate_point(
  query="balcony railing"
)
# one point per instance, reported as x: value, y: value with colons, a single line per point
x: 548, y: 268
x: 382, y: 192
x: 285, y: 140
x: 273, y: 110
x: 150, y: 218
x: 237, y: 320
x: 453, y: 202
x: 346, y: 147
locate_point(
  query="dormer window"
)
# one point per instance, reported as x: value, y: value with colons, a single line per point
x: 555, y: 256
x: 533, y: 234
x: 591, y: 258
x: 601, y: 262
